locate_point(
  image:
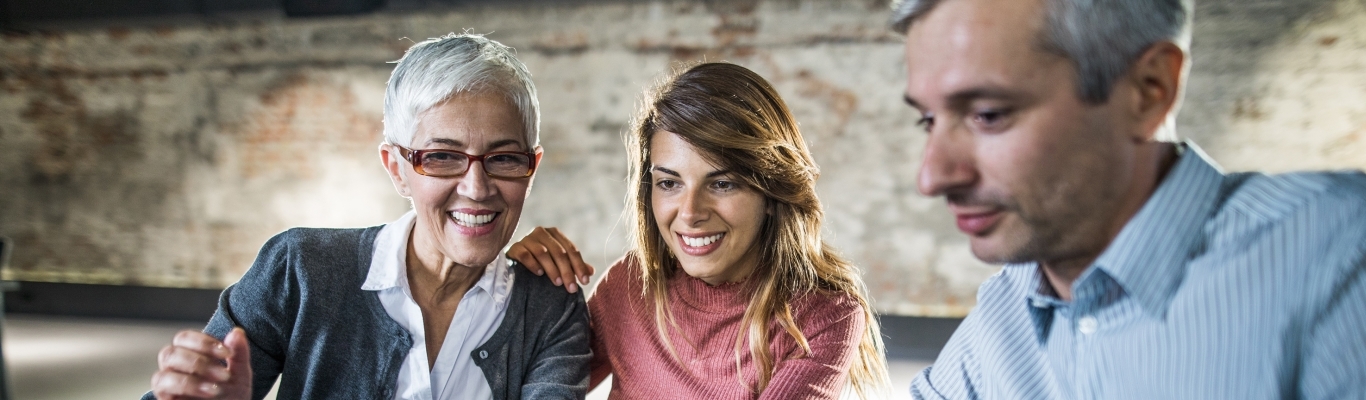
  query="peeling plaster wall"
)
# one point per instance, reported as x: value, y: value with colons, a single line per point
x: 166, y: 156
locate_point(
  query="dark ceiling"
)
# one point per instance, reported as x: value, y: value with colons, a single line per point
x: 28, y: 15
x: 18, y: 13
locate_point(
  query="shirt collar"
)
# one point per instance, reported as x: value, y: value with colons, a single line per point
x: 1149, y: 256
x: 387, y: 264
x: 497, y: 279
x: 391, y: 254
x: 1040, y: 302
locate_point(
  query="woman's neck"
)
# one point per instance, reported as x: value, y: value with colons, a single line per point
x: 433, y: 276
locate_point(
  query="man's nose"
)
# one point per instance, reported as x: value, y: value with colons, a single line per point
x: 948, y: 163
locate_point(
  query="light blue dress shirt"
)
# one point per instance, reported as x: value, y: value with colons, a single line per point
x: 1223, y: 286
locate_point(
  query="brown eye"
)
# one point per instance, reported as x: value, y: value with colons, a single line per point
x: 506, y: 159
x: 926, y: 122
x: 991, y: 119
x: 439, y: 157
x: 666, y: 184
x: 509, y: 165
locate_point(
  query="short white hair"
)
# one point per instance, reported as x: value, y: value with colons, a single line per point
x: 434, y: 70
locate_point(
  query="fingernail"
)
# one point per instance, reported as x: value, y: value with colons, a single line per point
x: 221, y: 350
x: 573, y: 288
x: 540, y: 272
x: 209, y: 389
x: 557, y: 281
x: 583, y: 280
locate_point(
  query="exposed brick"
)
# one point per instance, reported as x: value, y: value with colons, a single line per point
x: 168, y: 155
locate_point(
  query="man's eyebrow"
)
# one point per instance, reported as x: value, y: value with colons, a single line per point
x: 960, y: 98
x: 910, y: 102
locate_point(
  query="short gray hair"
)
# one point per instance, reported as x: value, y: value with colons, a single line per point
x: 1102, y: 38
x: 436, y: 69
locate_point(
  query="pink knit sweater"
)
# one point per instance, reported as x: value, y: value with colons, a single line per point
x: 627, y: 345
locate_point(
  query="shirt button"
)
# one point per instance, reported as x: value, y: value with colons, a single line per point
x: 1040, y: 304
x: 483, y: 354
x: 1087, y: 325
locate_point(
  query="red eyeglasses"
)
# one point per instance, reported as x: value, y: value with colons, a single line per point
x: 444, y: 163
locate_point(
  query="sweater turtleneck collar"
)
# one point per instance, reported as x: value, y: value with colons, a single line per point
x: 705, y: 297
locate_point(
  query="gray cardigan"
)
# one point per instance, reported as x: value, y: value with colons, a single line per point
x: 310, y: 323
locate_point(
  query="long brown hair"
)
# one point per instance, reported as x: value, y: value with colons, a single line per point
x: 735, y: 119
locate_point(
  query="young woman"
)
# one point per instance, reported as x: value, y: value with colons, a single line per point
x: 729, y: 291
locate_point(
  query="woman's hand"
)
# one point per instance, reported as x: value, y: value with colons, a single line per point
x: 198, y: 366
x: 545, y: 251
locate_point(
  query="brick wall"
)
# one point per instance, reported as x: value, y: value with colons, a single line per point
x: 166, y: 155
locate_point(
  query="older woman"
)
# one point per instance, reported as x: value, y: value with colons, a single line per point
x: 424, y: 307
x: 729, y: 291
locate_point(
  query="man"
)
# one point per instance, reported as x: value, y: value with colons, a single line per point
x: 1135, y: 268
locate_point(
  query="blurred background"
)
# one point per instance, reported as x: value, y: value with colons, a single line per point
x: 149, y: 148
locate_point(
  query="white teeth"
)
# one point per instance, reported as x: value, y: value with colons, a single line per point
x: 472, y: 220
x: 702, y: 241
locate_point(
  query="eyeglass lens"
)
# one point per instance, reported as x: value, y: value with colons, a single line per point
x: 509, y: 165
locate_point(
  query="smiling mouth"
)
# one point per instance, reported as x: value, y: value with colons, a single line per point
x: 700, y: 245
x: 472, y: 220
x: 701, y: 241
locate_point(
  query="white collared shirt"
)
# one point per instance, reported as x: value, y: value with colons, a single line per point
x: 481, y: 310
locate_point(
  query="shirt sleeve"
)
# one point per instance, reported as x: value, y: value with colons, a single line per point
x: 1333, y: 357
x: 834, y: 337
x: 922, y: 389
x: 559, y: 370
x: 259, y: 303
x: 256, y: 303
x: 618, y: 279
x: 1334, y: 362
x: 951, y: 375
x: 262, y: 304
x: 601, y: 365
x: 928, y: 382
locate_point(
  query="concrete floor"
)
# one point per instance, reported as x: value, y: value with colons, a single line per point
x: 53, y: 358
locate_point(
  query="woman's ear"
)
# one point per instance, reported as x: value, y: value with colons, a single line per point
x: 536, y: 168
x: 537, y: 162
x: 393, y: 164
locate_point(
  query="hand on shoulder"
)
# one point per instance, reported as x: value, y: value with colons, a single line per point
x: 547, y: 252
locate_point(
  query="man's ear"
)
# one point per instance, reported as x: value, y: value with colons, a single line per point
x: 1157, y: 76
x: 393, y: 164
